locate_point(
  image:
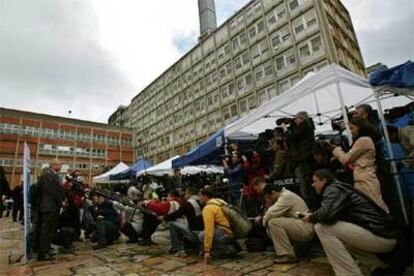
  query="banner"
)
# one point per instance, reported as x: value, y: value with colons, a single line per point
x: 27, y: 207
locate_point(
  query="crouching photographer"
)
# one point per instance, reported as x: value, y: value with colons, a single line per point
x: 350, y: 225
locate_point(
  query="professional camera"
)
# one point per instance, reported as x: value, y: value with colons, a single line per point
x: 286, y: 121
x: 264, y: 140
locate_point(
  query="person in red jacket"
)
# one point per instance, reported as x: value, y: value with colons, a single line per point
x: 253, y: 168
x: 157, y: 208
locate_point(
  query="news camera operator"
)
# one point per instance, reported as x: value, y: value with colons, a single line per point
x: 361, y: 160
x: 73, y: 187
x: 300, y: 140
x: 235, y: 175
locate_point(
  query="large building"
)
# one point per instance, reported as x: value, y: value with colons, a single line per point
x: 120, y: 117
x: 87, y: 146
x: 258, y: 53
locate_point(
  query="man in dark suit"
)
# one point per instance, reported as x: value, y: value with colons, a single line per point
x: 50, y: 200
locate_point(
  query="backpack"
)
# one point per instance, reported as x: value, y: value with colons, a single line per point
x: 239, y: 223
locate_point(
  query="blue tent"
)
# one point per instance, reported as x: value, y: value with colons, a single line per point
x: 131, y: 172
x: 398, y: 76
x: 209, y: 152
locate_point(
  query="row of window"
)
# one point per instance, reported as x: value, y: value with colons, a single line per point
x: 308, y: 51
x: 223, y: 96
x: 6, y: 128
x: 71, y: 151
x: 39, y: 164
x: 216, y: 119
x: 274, y: 19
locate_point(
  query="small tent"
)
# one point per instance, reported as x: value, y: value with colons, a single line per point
x: 208, y: 169
x: 104, y: 178
x: 163, y: 168
x: 140, y: 165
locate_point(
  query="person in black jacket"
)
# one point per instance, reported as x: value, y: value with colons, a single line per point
x: 300, y: 138
x: 349, y: 223
x: 17, y: 196
x: 68, y: 227
x: 180, y: 234
x: 4, y: 189
x: 50, y: 201
x: 107, y: 224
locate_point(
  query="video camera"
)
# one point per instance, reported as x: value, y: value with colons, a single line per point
x: 285, y: 120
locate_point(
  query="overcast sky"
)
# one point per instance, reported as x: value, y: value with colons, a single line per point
x: 89, y: 56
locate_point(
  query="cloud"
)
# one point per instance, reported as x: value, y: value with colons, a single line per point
x: 52, y: 62
x: 184, y: 42
x: 384, y: 29
x: 91, y: 56
x: 226, y: 8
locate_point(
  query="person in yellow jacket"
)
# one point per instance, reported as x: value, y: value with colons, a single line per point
x: 217, y: 237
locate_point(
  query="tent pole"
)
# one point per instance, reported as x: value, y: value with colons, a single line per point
x: 391, y: 155
x: 344, y: 112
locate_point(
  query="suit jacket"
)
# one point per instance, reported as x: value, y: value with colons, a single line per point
x: 50, y: 192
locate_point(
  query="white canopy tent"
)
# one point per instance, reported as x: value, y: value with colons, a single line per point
x: 160, y: 169
x: 209, y: 169
x: 165, y: 168
x: 104, y: 178
x: 324, y: 95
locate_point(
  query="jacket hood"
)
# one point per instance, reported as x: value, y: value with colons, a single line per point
x: 345, y: 187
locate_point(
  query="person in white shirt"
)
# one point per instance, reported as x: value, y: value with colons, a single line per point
x: 282, y: 222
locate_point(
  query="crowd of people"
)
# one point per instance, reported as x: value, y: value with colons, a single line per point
x: 292, y: 188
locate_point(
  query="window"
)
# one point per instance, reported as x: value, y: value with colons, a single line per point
x: 286, y: 61
x: 252, y: 32
x: 275, y: 41
x: 243, y: 106
x: 241, y: 60
x: 268, y: 69
x: 312, y: 49
x: 262, y: 97
x: 234, y: 112
x: 280, y: 38
x: 257, y: 29
x: 293, y: 5
x: 316, y: 44
x: 244, y: 83
x: 280, y: 63
x: 259, y: 74
x: 252, y: 102
x: 272, y: 92
x: 223, y: 52
x: 304, y: 51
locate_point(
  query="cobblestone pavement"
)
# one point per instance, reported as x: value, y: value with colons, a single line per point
x: 131, y: 259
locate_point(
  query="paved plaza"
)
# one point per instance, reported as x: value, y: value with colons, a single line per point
x: 132, y: 259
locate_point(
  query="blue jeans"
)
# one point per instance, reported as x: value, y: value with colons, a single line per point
x: 223, y: 244
x: 180, y: 234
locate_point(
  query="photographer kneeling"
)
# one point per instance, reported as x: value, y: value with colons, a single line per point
x: 349, y: 223
x: 282, y: 222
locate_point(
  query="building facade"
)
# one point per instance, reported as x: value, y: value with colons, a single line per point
x: 258, y: 53
x: 86, y: 146
x: 120, y: 117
